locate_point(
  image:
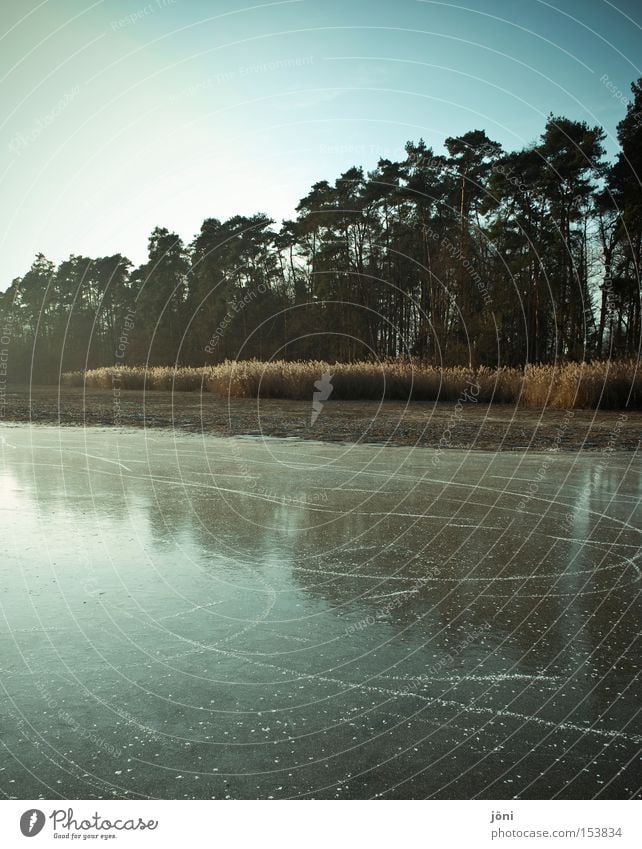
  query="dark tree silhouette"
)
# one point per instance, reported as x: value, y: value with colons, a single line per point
x: 477, y: 256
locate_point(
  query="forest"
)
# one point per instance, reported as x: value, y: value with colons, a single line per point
x: 477, y: 257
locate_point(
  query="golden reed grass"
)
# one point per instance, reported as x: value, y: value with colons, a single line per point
x: 603, y: 385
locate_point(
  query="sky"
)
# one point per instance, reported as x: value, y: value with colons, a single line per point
x: 117, y: 116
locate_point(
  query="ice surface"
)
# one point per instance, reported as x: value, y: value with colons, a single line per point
x: 188, y: 616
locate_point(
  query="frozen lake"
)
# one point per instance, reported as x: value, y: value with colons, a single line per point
x: 187, y: 616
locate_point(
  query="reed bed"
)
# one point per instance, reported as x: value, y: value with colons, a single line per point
x: 603, y: 385
x: 180, y: 379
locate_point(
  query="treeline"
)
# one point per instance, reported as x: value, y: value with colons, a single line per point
x: 477, y: 257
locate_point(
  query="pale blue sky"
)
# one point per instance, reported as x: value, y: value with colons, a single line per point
x: 120, y: 115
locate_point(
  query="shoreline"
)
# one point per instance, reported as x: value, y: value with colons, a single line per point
x: 494, y: 427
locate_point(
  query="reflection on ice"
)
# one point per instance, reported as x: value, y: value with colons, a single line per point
x: 205, y: 617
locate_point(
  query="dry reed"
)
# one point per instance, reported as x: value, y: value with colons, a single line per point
x: 604, y: 385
